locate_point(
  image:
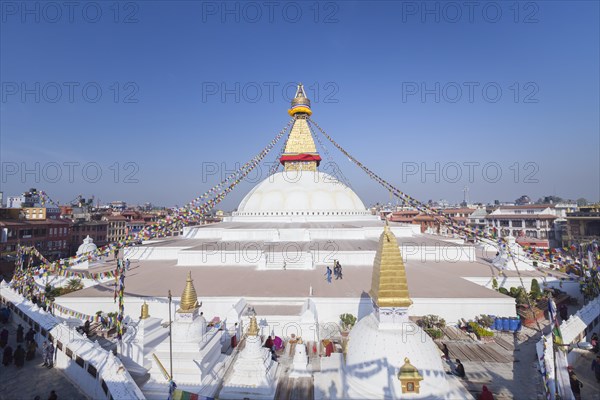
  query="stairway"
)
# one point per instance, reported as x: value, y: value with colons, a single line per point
x: 293, y: 260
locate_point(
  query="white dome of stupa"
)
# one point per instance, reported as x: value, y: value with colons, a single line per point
x: 304, y: 193
x: 374, y: 358
x: 87, y: 246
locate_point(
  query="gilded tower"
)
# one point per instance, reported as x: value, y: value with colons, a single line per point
x: 389, y: 287
x: 300, y: 152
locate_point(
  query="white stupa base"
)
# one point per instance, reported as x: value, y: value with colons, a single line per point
x: 254, y: 374
x: 299, y: 367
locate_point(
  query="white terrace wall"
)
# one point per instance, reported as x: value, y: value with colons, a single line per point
x: 97, y: 372
x: 580, y: 326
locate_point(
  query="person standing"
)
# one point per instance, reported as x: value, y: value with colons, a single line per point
x: 340, y: 275
x: 446, y: 351
x: 44, y: 353
x: 596, y: 368
x: 576, y: 384
x: 328, y: 274
x: 29, y: 336
x: 31, y: 347
x: 336, y: 269
x: 3, y: 337
x: 19, y: 356
x: 7, y: 356
x: 53, y: 396
x: 50, y: 355
x: 127, y: 264
x: 485, y: 394
x: 20, y: 334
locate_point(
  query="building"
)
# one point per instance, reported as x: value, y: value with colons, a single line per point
x: 50, y: 237
x: 525, y: 222
x: 117, y: 227
x: 97, y: 230
x: 583, y: 225
x: 477, y: 220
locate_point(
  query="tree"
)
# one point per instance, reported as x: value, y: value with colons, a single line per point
x: 523, y: 200
x: 550, y: 200
x: 582, y: 202
x: 535, y: 292
x: 74, y: 284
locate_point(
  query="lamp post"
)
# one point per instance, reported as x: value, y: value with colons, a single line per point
x: 170, y: 339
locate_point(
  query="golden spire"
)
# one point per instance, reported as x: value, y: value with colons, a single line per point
x: 389, y: 287
x: 253, y: 328
x: 189, y: 298
x: 300, y: 153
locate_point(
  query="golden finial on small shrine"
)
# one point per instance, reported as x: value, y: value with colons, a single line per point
x: 189, y: 298
x: 145, y: 313
x: 253, y: 328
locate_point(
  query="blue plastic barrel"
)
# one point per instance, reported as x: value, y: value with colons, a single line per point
x: 505, y: 324
x: 513, y: 324
x: 498, y: 324
x: 519, y: 326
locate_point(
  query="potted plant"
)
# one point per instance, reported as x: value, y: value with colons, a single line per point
x: 481, y: 333
x: 348, y: 321
x: 432, y: 324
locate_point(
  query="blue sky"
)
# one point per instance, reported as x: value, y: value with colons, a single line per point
x: 401, y: 85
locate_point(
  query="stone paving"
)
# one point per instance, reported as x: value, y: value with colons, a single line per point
x: 33, y: 379
x: 583, y: 370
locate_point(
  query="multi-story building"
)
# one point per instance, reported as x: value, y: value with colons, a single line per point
x: 477, y: 221
x: 583, y: 225
x: 532, y: 221
x: 97, y: 230
x: 117, y: 227
x: 51, y: 237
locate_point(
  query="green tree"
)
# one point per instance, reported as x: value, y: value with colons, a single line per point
x: 535, y: 292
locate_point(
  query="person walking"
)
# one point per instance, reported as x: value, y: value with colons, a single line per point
x: 3, y: 337
x: 7, y: 356
x: 127, y: 263
x: 596, y: 368
x: 20, y: 334
x: 19, y: 356
x: 328, y: 274
x: 53, y: 396
x: 340, y: 275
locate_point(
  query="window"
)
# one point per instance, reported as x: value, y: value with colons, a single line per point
x: 69, y: 353
x: 92, y: 370
x: 79, y: 361
x: 517, y: 223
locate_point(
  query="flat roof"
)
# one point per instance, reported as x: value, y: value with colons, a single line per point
x: 426, y: 280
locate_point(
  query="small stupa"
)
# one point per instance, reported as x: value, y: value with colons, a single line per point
x: 398, y: 357
x: 254, y: 371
